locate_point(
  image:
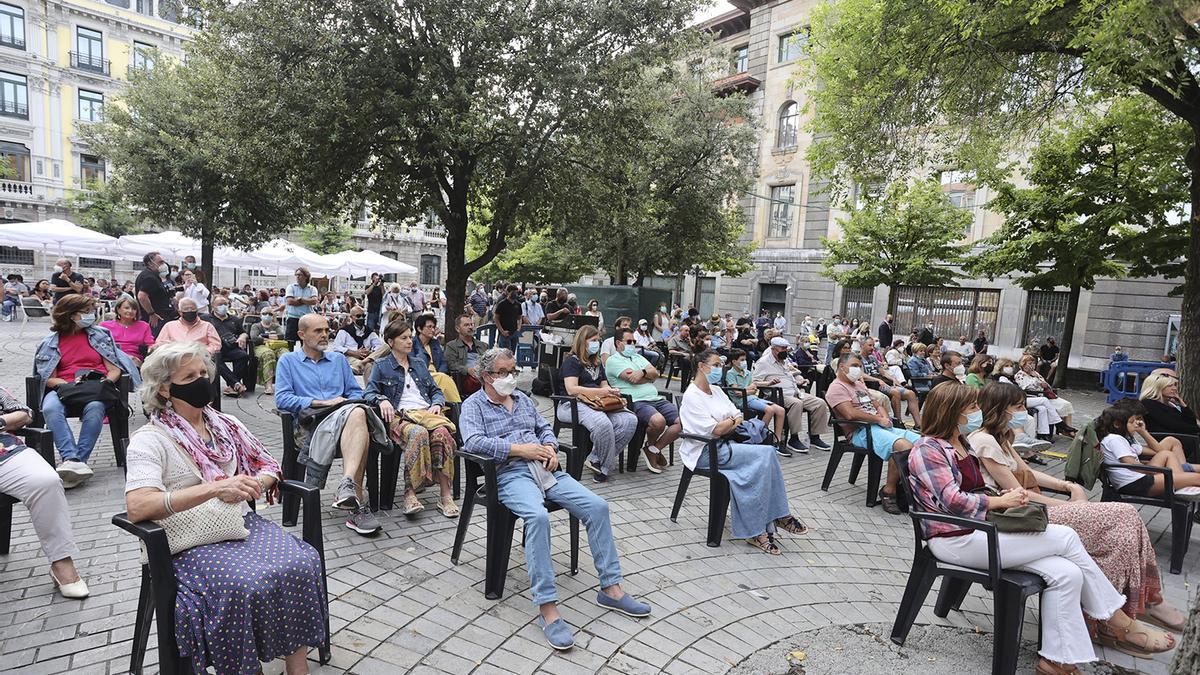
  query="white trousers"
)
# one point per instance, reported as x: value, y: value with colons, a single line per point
x: 29, y: 478
x: 1072, y: 579
x: 1047, y: 414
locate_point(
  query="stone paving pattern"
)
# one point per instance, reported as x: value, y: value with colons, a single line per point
x: 397, y: 604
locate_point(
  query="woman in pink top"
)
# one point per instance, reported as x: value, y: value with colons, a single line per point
x: 130, y: 333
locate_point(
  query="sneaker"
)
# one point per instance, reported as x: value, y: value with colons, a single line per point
x: 363, y: 521
x: 798, y: 445
x: 558, y: 634
x: 627, y: 605
x: 73, y: 473
x: 599, y: 478
x: 817, y: 442
x: 1023, y: 441
x: 347, y: 497
x: 782, y: 450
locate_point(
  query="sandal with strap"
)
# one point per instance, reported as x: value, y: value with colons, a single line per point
x: 1119, y: 639
x: 791, y: 525
x: 767, y: 545
x: 1046, y: 667
x: 1150, y: 618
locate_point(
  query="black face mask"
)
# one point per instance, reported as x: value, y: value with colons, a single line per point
x: 197, y: 393
x: 360, y: 321
x: 189, y: 316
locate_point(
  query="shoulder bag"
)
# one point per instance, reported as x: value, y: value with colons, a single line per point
x: 94, y: 386
x: 1031, y: 517
x: 596, y: 400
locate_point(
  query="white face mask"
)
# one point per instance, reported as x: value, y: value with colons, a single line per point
x: 854, y: 373
x: 58, y: 269
x: 1007, y: 370
x: 506, y: 385
x: 960, y: 370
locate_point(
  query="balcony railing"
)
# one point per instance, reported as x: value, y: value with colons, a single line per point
x: 16, y: 187
x: 12, y: 41
x: 89, y: 63
x: 14, y: 109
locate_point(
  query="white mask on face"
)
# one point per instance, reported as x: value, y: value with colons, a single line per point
x: 959, y: 370
x: 1007, y: 370
x: 506, y: 385
x: 58, y: 269
x: 854, y: 373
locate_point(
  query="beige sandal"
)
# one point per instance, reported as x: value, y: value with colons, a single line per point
x: 1154, y: 620
x: 412, y: 505
x: 1119, y: 639
x: 448, y: 508
x: 791, y: 525
x: 766, y: 545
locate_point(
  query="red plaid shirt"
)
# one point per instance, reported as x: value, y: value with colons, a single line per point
x: 935, y: 479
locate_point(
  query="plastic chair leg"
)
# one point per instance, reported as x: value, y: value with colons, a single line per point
x: 5, y: 526
x: 456, y: 486
x: 718, y: 505
x: 574, y: 545
x: 501, y: 525
x: 874, y: 473
x: 835, y: 458
x: 390, y: 469
x: 951, y: 595
x: 464, y: 520
x: 920, y: 579
x: 1179, y: 536
x: 856, y: 466
x: 141, y: 626
x: 1009, y: 610
x: 684, y: 480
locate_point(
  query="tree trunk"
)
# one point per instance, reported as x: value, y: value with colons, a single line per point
x: 206, y: 257
x: 1064, y: 350
x: 456, y: 274
x: 892, y: 299
x: 1187, y: 654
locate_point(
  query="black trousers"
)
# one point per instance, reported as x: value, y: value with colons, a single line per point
x: 232, y: 364
x: 292, y: 331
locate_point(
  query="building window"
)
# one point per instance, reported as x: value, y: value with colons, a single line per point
x: 431, y: 270
x: 959, y: 187
x: 953, y: 311
x: 14, y: 95
x: 91, y: 106
x: 89, y: 51
x: 791, y: 46
x: 1045, y: 316
x: 14, y: 160
x: 781, y: 210
x: 145, y: 7
x: 741, y: 59
x: 858, y: 303
x: 95, y: 263
x: 11, y: 255
x: 91, y: 169
x: 789, y: 125
x: 143, y: 56
x: 12, y: 26
x: 868, y: 192
x: 389, y: 278
x: 773, y: 298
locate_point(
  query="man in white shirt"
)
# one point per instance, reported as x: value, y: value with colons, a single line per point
x: 531, y: 309
x: 774, y: 368
x: 356, y: 340
x: 645, y: 343
x: 780, y: 322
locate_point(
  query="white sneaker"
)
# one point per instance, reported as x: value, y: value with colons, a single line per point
x: 73, y: 473
x: 1191, y: 493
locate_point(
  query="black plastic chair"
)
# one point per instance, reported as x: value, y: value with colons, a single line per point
x: 1010, y: 588
x: 718, y: 488
x: 118, y: 415
x: 501, y: 522
x: 682, y: 365
x: 1190, y: 442
x: 639, y: 437
x: 841, y: 446
x: 293, y: 470
x: 159, y: 586
x: 41, y: 441
x: 1181, y: 509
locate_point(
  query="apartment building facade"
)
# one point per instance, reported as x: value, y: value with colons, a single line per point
x: 789, y: 211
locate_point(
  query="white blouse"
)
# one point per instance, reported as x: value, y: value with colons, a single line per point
x: 700, y: 413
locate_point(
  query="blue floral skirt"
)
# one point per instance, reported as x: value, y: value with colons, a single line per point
x: 244, y: 602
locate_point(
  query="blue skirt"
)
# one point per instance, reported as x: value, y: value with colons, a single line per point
x: 244, y: 602
x: 757, y: 495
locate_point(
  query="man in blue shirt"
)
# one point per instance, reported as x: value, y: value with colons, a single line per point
x: 315, y: 378
x: 503, y: 424
x: 300, y: 298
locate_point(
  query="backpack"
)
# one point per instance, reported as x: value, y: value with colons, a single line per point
x: 1084, y: 458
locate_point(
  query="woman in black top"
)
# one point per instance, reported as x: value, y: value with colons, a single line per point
x: 609, y: 431
x: 374, y: 301
x: 1167, y: 413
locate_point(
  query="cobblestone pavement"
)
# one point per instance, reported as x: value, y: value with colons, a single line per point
x: 399, y: 605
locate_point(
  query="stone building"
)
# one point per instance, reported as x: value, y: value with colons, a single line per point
x: 789, y: 211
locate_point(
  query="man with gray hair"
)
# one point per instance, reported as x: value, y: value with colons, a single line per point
x: 65, y: 281
x: 501, y: 423
x: 775, y: 369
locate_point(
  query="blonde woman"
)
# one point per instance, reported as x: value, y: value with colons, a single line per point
x: 1166, y: 411
x: 1033, y: 384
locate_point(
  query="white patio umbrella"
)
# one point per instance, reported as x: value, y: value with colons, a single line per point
x: 281, y: 254
x: 169, y: 243
x: 363, y: 263
x: 61, y: 237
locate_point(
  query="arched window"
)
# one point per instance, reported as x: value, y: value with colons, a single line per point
x: 789, y: 125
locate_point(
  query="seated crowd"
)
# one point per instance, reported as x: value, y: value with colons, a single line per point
x: 361, y: 381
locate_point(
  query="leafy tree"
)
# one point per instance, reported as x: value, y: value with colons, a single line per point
x: 175, y: 163
x: 326, y: 235
x: 904, y: 238
x: 909, y: 83
x: 101, y: 208
x: 1105, y: 194
x: 439, y: 105
x: 536, y: 257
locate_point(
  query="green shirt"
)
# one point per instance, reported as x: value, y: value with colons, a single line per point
x: 619, y: 363
x: 974, y: 381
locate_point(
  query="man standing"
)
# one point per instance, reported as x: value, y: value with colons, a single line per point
x: 152, y: 296
x: 926, y: 336
x: 780, y: 322
x: 300, y: 299
x: 416, y: 298
x: 65, y: 282
x: 532, y: 310
x: 762, y: 323
x: 885, y: 331
x: 774, y: 369
x: 478, y: 303
x: 507, y: 316
x: 504, y: 424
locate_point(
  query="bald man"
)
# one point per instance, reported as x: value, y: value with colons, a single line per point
x: 65, y: 281
x: 317, y: 377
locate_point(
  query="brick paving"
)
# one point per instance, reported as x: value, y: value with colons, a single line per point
x: 397, y: 604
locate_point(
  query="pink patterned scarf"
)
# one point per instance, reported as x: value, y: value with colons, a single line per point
x: 230, y: 438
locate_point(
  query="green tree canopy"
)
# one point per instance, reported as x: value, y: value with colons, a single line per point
x: 326, y: 235
x: 101, y: 208
x: 537, y: 257
x: 907, y: 237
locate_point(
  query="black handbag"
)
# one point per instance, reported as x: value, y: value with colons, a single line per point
x: 94, y: 386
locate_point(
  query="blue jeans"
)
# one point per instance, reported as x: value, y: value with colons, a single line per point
x: 523, y: 497
x: 91, y: 423
x: 509, y: 341
x: 10, y: 306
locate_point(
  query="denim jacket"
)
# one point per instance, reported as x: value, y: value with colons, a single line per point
x: 435, y: 348
x: 45, y: 361
x: 387, y: 381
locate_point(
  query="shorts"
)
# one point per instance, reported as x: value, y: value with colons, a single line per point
x: 646, y: 409
x: 758, y: 405
x: 1138, y: 488
x: 888, y: 389
x: 883, y: 438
